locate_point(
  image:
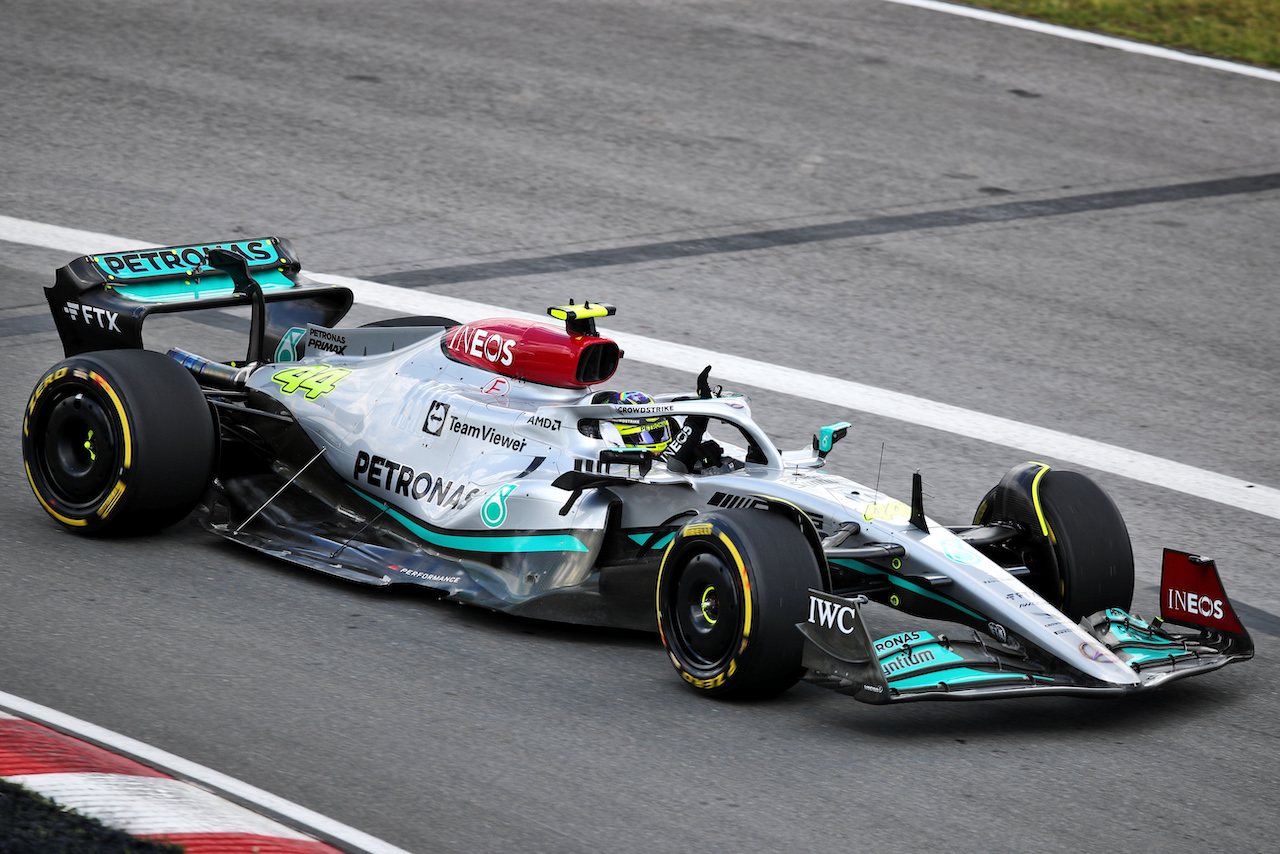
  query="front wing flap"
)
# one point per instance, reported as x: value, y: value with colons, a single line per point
x: 840, y: 654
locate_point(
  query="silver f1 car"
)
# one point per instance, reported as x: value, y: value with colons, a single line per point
x: 486, y: 462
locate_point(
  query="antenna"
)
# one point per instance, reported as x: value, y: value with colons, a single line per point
x: 878, y: 468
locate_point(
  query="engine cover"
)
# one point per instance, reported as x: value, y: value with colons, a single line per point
x: 537, y: 352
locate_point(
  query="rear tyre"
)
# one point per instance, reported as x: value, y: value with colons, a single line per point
x: 732, y: 586
x: 118, y: 442
x: 1079, y: 554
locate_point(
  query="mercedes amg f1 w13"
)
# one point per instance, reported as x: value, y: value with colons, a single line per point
x: 489, y: 462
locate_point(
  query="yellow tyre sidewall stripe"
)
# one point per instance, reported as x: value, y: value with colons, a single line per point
x: 112, y: 500
x: 705, y: 529
x: 1035, y: 499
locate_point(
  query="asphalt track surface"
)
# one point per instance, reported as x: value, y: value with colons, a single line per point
x: 392, y: 141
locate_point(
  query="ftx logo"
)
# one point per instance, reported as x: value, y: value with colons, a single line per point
x: 91, y: 314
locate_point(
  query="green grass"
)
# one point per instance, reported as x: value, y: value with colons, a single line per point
x: 31, y: 824
x: 1243, y: 30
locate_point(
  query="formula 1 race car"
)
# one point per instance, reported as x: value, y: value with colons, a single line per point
x: 486, y: 462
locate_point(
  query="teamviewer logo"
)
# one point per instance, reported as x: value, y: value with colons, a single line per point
x: 436, y: 416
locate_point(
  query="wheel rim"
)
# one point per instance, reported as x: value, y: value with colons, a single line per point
x: 707, y: 611
x: 78, y: 459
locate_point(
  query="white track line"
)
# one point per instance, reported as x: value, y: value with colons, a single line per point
x: 1092, y: 38
x: 832, y: 391
x: 260, y: 801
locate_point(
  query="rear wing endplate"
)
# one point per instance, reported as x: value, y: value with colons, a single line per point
x: 99, y: 302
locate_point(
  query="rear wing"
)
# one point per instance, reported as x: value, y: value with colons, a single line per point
x: 99, y: 302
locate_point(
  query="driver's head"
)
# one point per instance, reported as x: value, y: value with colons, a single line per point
x: 652, y: 434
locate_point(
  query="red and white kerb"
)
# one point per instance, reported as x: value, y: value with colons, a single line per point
x: 139, y: 800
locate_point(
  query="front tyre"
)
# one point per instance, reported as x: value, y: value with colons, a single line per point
x: 732, y: 586
x: 118, y: 441
x: 1076, y: 545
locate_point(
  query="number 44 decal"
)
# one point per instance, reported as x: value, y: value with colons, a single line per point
x: 315, y: 380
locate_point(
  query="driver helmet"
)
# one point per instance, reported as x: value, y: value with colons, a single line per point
x: 653, y: 434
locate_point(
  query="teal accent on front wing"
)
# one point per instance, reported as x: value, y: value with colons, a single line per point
x: 1137, y: 642
x: 951, y: 678
x: 481, y: 542
x: 914, y: 657
x: 868, y: 569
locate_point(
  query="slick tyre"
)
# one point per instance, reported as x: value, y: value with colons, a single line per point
x: 118, y: 442
x: 732, y: 586
x: 1077, y: 546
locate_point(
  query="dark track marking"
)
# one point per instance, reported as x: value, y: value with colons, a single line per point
x: 28, y: 324
x: 1003, y: 212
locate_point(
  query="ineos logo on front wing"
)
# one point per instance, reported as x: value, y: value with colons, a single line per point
x: 1194, y: 603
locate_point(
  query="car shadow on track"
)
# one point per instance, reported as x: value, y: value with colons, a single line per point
x: 456, y: 613
x: 1173, y: 707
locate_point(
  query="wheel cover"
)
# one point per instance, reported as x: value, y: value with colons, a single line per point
x: 707, y: 608
x: 77, y: 449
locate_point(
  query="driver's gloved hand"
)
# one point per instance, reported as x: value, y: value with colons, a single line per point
x: 710, y: 454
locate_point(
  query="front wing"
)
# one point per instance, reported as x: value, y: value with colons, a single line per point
x: 920, y: 665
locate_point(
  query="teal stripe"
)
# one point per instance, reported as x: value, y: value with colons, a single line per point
x: 641, y: 539
x: 1144, y: 655
x: 481, y: 543
x: 211, y: 285
x: 907, y: 585
x: 961, y: 676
